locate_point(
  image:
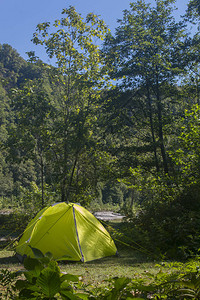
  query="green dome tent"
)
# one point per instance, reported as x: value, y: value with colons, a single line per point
x: 69, y: 232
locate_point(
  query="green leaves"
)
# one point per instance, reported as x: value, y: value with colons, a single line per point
x: 44, y: 280
x: 33, y: 265
x: 77, y: 84
x: 143, y: 55
x: 72, y: 43
x: 187, y: 156
x: 49, y: 282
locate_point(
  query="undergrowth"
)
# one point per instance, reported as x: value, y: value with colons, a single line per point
x: 42, y: 278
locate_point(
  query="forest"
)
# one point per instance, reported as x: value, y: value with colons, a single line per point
x: 113, y: 122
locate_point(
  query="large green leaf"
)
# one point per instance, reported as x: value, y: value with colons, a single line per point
x: 37, y: 253
x: 27, y: 294
x: 49, y: 282
x: 49, y: 255
x: 70, y: 295
x: 33, y: 265
x: 21, y: 284
x: 82, y: 296
x: 129, y: 298
x: 53, y: 265
x: 121, y: 283
x: 69, y: 277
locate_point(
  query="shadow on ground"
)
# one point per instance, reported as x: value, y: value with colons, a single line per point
x: 8, y: 260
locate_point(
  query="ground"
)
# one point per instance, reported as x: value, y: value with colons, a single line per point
x: 128, y: 263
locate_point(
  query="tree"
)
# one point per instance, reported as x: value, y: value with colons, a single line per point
x: 80, y: 75
x: 192, y: 16
x: 5, y: 119
x: 10, y: 65
x: 193, y: 10
x: 146, y: 57
x: 29, y: 136
x: 10, y: 58
x: 187, y: 157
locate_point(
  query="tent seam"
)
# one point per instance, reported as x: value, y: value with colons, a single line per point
x: 82, y: 259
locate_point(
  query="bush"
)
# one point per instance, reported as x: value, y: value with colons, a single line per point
x: 164, y: 229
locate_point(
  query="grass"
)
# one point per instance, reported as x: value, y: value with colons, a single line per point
x: 129, y: 263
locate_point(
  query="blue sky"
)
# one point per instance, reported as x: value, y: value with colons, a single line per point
x: 19, y: 18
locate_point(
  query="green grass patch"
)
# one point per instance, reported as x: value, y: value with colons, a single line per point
x: 128, y: 263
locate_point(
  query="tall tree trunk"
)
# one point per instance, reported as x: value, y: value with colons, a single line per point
x: 152, y: 128
x: 160, y: 126
x: 132, y: 199
x: 42, y: 178
x: 71, y: 179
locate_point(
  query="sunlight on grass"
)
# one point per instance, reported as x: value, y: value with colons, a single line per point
x: 129, y: 263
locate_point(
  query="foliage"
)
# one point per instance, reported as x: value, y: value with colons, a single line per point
x: 44, y: 280
x: 171, y: 281
x: 164, y: 222
x: 30, y: 199
x: 193, y: 10
x: 12, y: 225
x: 146, y: 57
x: 80, y: 75
x: 187, y: 155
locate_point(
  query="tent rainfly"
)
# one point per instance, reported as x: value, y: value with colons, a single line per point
x: 69, y: 232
